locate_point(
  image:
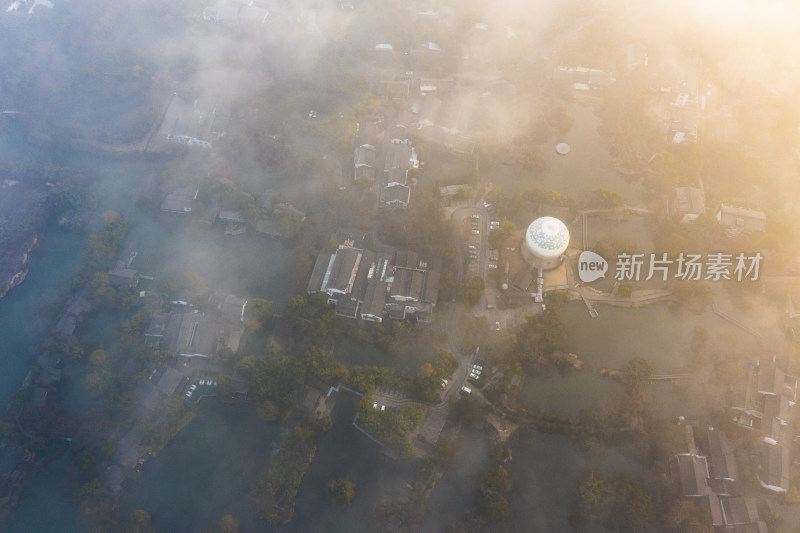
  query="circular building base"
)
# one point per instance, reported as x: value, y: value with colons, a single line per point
x: 539, y: 262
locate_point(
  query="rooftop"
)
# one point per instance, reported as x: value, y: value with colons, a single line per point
x: 723, y: 463
x: 691, y: 473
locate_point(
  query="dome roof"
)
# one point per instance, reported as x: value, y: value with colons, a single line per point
x: 547, y: 237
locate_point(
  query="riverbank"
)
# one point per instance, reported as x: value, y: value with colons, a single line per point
x: 20, y: 270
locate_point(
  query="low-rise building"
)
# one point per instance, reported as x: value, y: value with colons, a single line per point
x: 397, y: 195
x: 769, y: 405
x: 314, y: 403
x: 738, y: 220
x: 453, y: 190
x: 69, y: 320
x: 690, y: 474
x: 773, y: 473
x: 196, y: 336
x: 122, y: 276
x: 687, y: 204
x: 180, y: 200
x: 366, y: 284
x: 290, y: 208
x: 364, y: 158
x: 392, y: 89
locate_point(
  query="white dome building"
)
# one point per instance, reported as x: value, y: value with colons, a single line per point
x: 546, y: 241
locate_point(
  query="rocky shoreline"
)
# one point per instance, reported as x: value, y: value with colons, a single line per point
x: 20, y: 270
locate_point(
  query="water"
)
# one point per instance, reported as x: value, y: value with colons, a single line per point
x: 207, y: 471
x: 614, y: 338
x: 452, y: 498
x: 49, y: 501
x: 544, y: 474
x: 50, y: 268
x: 248, y: 266
x: 588, y: 166
x: 344, y: 452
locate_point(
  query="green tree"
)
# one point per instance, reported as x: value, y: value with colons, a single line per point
x: 499, y: 236
x: 605, y: 198
x: 267, y: 411
x: 98, y: 358
x: 497, y: 480
x: 228, y: 524
x: 261, y: 311
x: 472, y: 291
x: 101, y: 292
x: 342, y: 491
x: 139, y: 522
x: 640, y: 367
x: 496, y: 508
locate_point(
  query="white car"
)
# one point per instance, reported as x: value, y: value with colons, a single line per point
x: 193, y: 387
x: 374, y: 405
x: 476, y: 232
x: 477, y: 367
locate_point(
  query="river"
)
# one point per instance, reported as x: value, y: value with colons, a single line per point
x: 245, y: 265
x: 50, y: 268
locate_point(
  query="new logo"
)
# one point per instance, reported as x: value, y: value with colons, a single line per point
x: 591, y: 266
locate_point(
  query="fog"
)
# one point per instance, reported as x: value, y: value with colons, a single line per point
x: 256, y: 111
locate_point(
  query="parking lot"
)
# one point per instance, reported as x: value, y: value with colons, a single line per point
x: 477, y: 224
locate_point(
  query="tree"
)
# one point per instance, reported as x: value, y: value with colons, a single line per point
x: 686, y: 516
x: 98, y: 358
x: 497, y: 480
x: 228, y: 524
x: 93, y: 382
x: 139, y: 522
x: 261, y: 311
x: 101, y: 292
x: 605, y: 198
x: 640, y: 367
x: 501, y: 234
x: 267, y: 411
x: 496, y: 508
x: 342, y: 491
x: 471, y: 293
